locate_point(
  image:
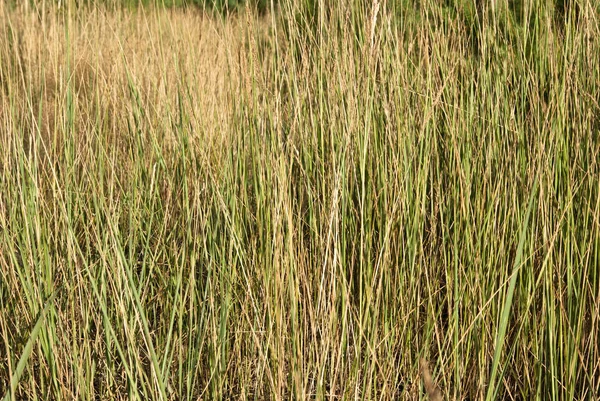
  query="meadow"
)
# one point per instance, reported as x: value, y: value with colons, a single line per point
x: 311, y: 201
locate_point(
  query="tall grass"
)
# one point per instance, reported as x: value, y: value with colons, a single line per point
x: 302, y: 204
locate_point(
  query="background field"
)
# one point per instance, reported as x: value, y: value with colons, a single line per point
x: 301, y: 201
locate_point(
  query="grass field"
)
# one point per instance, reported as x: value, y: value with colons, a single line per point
x: 307, y: 203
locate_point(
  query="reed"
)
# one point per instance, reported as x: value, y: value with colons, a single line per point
x: 300, y: 204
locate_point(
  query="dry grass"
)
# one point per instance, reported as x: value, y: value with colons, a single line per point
x: 157, y: 53
x: 296, y: 206
x: 432, y: 391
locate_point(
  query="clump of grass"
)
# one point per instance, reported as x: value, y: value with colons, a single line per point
x: 295, y: 205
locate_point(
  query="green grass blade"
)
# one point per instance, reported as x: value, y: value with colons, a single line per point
x: 506, y: 308
x: 14, y: 380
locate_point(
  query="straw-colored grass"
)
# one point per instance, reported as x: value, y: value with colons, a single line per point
x: 302, y: 204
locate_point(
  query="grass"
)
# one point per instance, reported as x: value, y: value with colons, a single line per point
x: 301, y: 204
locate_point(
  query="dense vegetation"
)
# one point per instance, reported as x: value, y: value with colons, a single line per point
x: 300, y: 203
x: 220, y: 6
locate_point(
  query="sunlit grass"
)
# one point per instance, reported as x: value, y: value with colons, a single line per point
x: 302, y: 204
